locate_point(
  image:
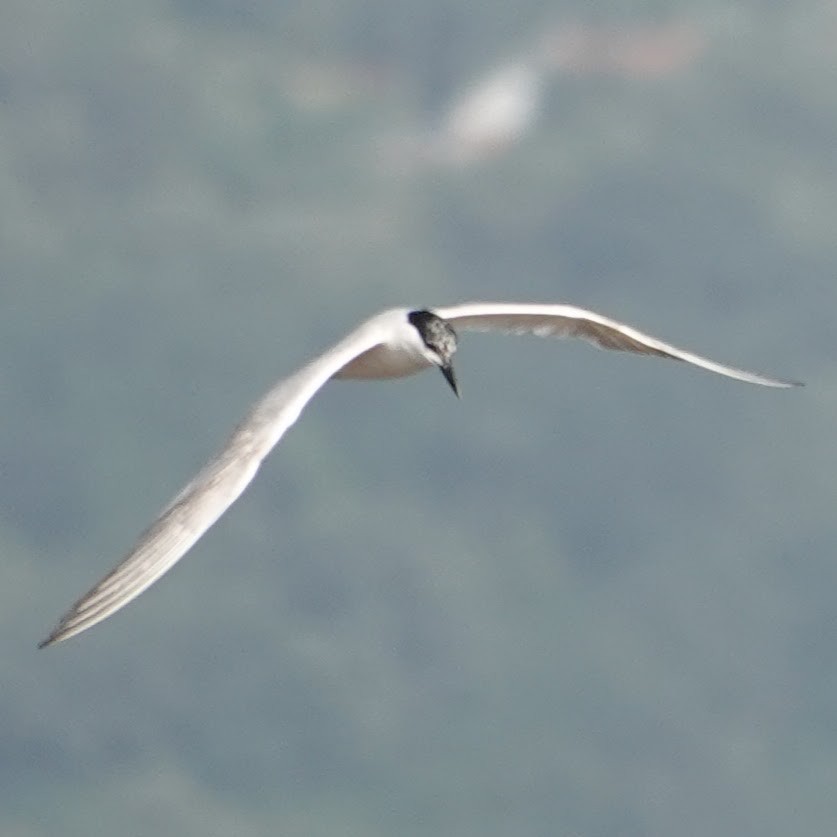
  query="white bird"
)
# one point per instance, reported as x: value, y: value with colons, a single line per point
x: 490, y: 116
x: 392, y: 344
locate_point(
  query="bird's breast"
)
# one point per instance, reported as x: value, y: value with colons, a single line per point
x: 384, y: 362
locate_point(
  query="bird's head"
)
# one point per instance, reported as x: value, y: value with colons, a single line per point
x: 439, y: 340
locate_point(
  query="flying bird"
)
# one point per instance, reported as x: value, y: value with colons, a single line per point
x: 392, y: 344
x: 502, y: 106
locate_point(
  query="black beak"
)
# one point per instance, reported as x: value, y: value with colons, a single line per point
x: 447, y: 371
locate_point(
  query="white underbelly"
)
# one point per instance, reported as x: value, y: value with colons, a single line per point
x: 381, y: 362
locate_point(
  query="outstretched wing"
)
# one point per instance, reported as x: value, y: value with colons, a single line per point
x: 569, y: 321
x: 213, y: 490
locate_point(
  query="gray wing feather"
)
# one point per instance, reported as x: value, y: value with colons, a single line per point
x: 185, y: 519
x: 171, y: 535
x: 569, y: 321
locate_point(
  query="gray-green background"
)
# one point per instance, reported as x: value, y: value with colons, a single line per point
x: 597, y: 597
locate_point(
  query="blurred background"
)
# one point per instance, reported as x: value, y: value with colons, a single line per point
x: 596, y: 596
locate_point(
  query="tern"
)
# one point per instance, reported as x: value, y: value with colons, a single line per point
x: 392, y: 344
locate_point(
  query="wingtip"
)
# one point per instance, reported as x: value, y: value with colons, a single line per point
x: 775, y: 383
x: 58, y: 634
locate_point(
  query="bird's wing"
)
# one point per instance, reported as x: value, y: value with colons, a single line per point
x: 569, y: 321
x: 213, y: 490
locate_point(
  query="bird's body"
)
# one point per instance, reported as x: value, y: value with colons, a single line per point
x: 492, y: 115
x: 392, y: 344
